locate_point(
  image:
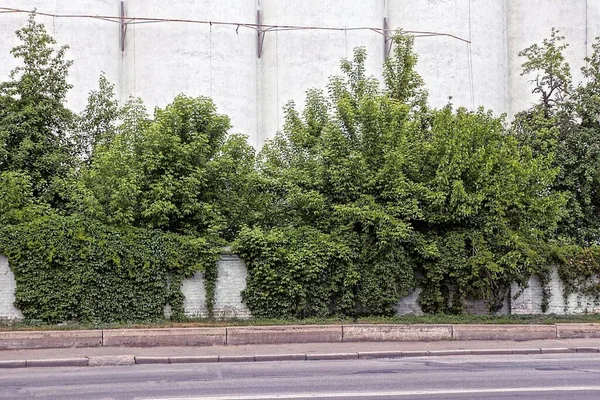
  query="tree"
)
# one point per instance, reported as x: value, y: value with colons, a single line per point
x: 179, y: 172
x: 34, y: 121
x: 565, y: 123
x: 389, y: 190
x: 98, y: 121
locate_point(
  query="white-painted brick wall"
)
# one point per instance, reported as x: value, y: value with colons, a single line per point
x: 7, y: 292
x: 232, y: 281
x: 228, y: 301
x: 530, y: 300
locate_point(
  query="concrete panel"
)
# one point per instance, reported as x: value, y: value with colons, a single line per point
x: 409, y: 305
x: 194, y: 303
x: 49, y: 339
x: 503, y: 332
x: 529, y: 299
x: 398, y: 333
x: 472, y: 74
x: 164, y: 59
x: 574, y: 331
x: 294, y: 61
x: 164, y: 337
x: 284, y: 334
x: 7, y: 293
x: 529, y: 22
x: 94, y: 44
x: 228, y: 293
x: 231, y: 283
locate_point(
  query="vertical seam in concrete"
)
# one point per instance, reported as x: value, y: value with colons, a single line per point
x: 226, y: 335
x: 556, y: 331
x: 507, y: 49
x: 102, y: 344
x: 452, y: 332
x: 342, y: 332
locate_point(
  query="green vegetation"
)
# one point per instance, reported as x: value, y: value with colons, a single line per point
x: 365, y: 194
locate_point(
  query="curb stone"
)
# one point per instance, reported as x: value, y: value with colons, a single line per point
x: 193, y: 359
x: 13, y: 364
x: 59, y: 362
x: 435, y: 353
x: 236, y: 358
x: 586, y: 349
x: 111, y: 361
x: 152, y: 360
x: 557, y: 350
x: 332, y: 356
x: 280, y: 357
x: 491, y: 352
x: 379, y: 354
x: 99, y: 361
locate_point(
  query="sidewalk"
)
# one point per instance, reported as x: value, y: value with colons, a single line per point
x: 100, y: 356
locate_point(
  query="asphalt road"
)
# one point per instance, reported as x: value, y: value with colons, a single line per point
x: 570, y: 376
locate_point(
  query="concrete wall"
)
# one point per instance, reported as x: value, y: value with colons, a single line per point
x: 162, y: 59
x: 93, y: 43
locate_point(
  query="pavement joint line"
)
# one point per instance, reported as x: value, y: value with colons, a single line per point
x: 84, y: 361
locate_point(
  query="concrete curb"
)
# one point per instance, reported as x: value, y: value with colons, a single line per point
x: 61, y: 362
x: 102, y: 361
x: 20, y: 340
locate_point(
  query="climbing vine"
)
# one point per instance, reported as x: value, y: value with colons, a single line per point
x: 74, y: 269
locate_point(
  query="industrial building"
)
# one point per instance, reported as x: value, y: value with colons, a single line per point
x: 253, y: 56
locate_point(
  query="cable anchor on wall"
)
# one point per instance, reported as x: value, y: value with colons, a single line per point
x: 387, y: 40
x: 123, y: 23
x: 261, y: 33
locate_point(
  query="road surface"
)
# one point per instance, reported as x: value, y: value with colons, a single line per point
x: 548, y: 377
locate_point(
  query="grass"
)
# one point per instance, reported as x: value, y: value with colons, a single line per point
x: 408, y: 319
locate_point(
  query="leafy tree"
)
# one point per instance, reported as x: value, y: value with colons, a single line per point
x: 565, y: 122
x: 97, y: 123
x: 34, y: 121
x: 387, y: 189
x: 179, y: 172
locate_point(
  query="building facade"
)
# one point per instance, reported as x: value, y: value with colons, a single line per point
x: 156, y: 49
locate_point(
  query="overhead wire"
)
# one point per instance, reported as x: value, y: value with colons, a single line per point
x: 262, y: 27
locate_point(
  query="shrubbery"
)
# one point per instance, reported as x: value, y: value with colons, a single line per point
x: 363, y: 195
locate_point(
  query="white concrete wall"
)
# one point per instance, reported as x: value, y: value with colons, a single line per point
x: 297, y: 60
x: 93, y: 43
x: 163, y: 59
x: 7, y: 293
x: 531, y: 21
x: 232, y: 281
x: 530, y: 299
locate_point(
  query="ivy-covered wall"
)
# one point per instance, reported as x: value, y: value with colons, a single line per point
x: 232, y: 274
x: 8, y: 311
x: 227, y: 303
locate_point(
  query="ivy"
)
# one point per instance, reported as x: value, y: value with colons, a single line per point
x: 75, y: 269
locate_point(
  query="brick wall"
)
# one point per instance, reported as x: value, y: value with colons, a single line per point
x: 228, y: 300
x: 7, y: 292
x: 232, y: 280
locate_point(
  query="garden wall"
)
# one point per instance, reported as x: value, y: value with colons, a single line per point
x: 232, y: 280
